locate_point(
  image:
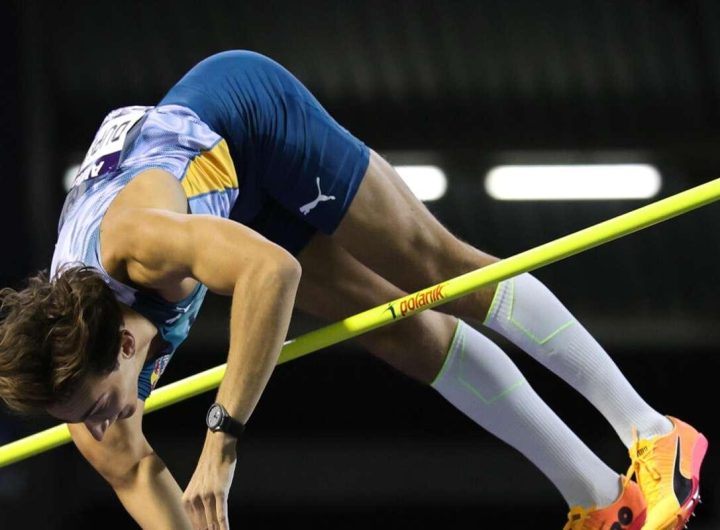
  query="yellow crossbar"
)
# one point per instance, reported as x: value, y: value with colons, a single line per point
x: 407, y: 306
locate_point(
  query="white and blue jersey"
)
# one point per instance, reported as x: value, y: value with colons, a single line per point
x: 247, y: 141
x: 129, y: 141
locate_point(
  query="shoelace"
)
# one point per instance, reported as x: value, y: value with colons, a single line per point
x: 642, y: 460
x: 578, y: 514
x: 576, y: 517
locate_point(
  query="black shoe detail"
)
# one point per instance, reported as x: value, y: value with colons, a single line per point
x: 625, y: 515
x: 681, y: 485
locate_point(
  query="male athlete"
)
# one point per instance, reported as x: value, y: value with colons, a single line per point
x: 239, y: 182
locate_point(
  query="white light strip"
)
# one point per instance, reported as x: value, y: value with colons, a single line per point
x: 69, y: 176
x: 567, y: 182
x: 428, y: 183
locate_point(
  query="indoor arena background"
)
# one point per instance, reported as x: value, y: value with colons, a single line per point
x: 339, y: 439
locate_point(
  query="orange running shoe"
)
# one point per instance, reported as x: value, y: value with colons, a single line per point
x: 626, y: 513
x: 668, y: 471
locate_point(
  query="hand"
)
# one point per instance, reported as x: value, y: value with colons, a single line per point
x: 205, y: 499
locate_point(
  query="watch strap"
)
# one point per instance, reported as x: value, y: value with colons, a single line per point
x: 227, y: 424
x: 232, y: 426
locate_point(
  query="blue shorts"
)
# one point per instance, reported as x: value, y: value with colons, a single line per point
x: 298, y: 169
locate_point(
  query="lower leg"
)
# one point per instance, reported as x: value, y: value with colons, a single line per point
x: 482, y: 382
x: 528, y: 314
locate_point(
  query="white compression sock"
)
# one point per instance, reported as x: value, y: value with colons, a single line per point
x: 482, y: 382
x: 529, y: 315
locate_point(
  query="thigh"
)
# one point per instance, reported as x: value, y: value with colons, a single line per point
x: 391, y: 231
x: 335, y: 285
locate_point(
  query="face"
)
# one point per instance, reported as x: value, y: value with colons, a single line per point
x: 103, y: 400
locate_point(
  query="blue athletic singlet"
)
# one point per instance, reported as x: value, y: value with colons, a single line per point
x: 247, y: 141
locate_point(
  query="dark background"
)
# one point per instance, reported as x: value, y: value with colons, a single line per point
x: 339, y: 439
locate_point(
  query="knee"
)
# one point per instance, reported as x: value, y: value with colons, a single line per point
x: 415, y: 346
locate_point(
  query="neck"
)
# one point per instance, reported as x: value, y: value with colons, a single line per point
x: 144, y: 332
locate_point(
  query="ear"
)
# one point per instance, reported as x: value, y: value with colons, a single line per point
x: 127, y: 344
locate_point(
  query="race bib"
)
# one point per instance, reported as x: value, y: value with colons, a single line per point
x: 104, y: 153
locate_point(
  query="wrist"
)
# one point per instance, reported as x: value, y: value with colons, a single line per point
x: 221, y: 442
x: 219, y: 420
x: 221, y: 438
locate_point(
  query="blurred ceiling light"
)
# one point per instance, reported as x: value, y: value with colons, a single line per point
x: 428, y: 183
x: 69, y: 176
x: 573, y: 182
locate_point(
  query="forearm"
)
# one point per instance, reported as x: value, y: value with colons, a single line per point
x: 263, y: 299
x: 152, y: 496
x: 260, y: 316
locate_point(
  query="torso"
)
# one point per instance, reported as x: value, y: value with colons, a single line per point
x: 162, y: 158
x: 153, y: 188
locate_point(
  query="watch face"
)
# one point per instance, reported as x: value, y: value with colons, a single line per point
x: 214, y: 417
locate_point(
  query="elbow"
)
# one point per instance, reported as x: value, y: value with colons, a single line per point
x: 119, y: 470
x: 117, y: 459
x: 293, y: 269
x: 284, y: 267
x: 125, y: 477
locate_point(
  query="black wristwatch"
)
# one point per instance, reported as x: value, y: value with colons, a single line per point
x: 218, y: 419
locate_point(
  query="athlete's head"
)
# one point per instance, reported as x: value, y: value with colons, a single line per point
x: 64, y: 350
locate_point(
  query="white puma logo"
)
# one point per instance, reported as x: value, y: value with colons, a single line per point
x: 320, y: 198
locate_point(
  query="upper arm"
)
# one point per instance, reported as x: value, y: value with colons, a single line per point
x: 160, y: 246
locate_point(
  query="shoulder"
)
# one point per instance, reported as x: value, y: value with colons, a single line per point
x: 133, y: 214
x: 152, y: 188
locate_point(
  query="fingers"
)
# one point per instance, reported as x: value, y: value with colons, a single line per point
x: 206, y: 498
x: 207, y: 512
x: 195, y: 511
x: 221, y: 506
x: 208, y: 501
